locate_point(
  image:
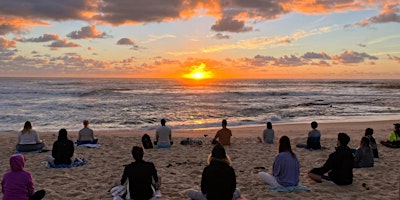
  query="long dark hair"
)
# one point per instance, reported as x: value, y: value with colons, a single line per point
x: 27, y: 127
x: 269, y: 125
x: 62, y: 135
x: 284, y: 145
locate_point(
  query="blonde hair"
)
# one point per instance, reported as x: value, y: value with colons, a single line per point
x: 226, y: 160
x: 27, y: 127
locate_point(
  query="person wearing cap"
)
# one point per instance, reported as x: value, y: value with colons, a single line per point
x: 339, y: 165
x: 85, y: 135
x: 394, y: 137
x: 218, y: 181
x: 286, y: 167
x: 224, y: 135
x: 142, y: 177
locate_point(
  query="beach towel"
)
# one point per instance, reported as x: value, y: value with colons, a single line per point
x: 26, y: 152
x: 288, y: 189
x: 89, y: 145
x: 76, y: 163
x: 189, y: 141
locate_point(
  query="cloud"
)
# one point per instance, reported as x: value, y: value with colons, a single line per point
x: 119, y: 12
x: 312, y: 55
x: 127, y: 41
x: 263, y: 42
x: 361, y: 45
x: 5, y: 43
x: 87, y: 32
x: 324, y: 6
x: 6, y: 54
x: 13, y: 24
x: 285, y: 61
x: 394, y: 58
x: 153, y: 38
x: 57, y: 10
x: 62, y: 43
x: 388, y: 14
x: 220, y: 36
x: 44, y: 38
x: 352, y: 57
x: 230, y: 25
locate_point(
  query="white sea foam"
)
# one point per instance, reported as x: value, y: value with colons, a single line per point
x: 54, y: 103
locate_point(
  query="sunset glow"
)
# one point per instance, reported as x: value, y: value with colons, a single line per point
x: 265, y: 39
x: 199, y: 72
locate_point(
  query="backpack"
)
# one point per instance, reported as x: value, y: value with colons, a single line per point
x: 146, y: 141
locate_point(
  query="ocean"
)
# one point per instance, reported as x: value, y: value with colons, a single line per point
x: 112, y: 104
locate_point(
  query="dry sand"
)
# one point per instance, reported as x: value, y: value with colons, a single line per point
x: 181, y: 166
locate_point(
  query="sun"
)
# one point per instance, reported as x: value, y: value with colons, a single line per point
x: 199, y: 72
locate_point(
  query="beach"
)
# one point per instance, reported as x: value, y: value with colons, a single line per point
x: 181, y: 166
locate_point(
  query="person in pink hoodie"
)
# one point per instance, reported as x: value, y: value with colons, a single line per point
x: 18, y: 183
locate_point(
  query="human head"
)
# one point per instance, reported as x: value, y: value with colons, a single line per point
x: 343, y: 139
x: 85, y: 122
x: 137, y: 153
x: 27, y: 126
x: 63, y: 134
x: 396, y: 126
x: 314, y: 124
x: 269, y: 125
x: 218, y: 153
x: 17, y: 162
x: 224, y: 123
x: 364, y: 142
x: 369, y: 131
x: 284, y: 145
x: 163, y: 122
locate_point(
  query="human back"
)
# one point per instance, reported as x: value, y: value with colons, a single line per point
x: 63, y: 149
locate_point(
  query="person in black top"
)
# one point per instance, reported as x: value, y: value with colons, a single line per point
x: 339, y: 164
x: 218, y: 181
x: 63, y: 149
x: 368, y: 133
x: 141, y: 175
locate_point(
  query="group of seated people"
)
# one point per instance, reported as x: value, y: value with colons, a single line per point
x: 18, y: 183
x: 218, y: 178
x: 29, y: 141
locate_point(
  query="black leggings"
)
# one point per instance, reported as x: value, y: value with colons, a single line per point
x: 38, y: 195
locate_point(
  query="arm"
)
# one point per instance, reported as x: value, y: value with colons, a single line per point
x: 19, y: 138
x: 233, y: 186
x: 79, y: 136
x: 37, y: 140
x: 71, y: 149
x: 124, y: 176
x: 204, y: 181
x: 155, y: 175
x: 31, y: 189
x: 276, y: 167
x: 392, y: 137
x: 357, y: 156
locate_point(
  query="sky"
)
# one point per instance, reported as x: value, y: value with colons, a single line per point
x: 269, y: 39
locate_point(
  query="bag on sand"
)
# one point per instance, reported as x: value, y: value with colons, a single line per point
x: 146, y: 141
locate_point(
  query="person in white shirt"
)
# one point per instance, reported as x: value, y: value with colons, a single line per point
x: 163, y: 136
x: 28, y: 139
x: 86, y: 135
